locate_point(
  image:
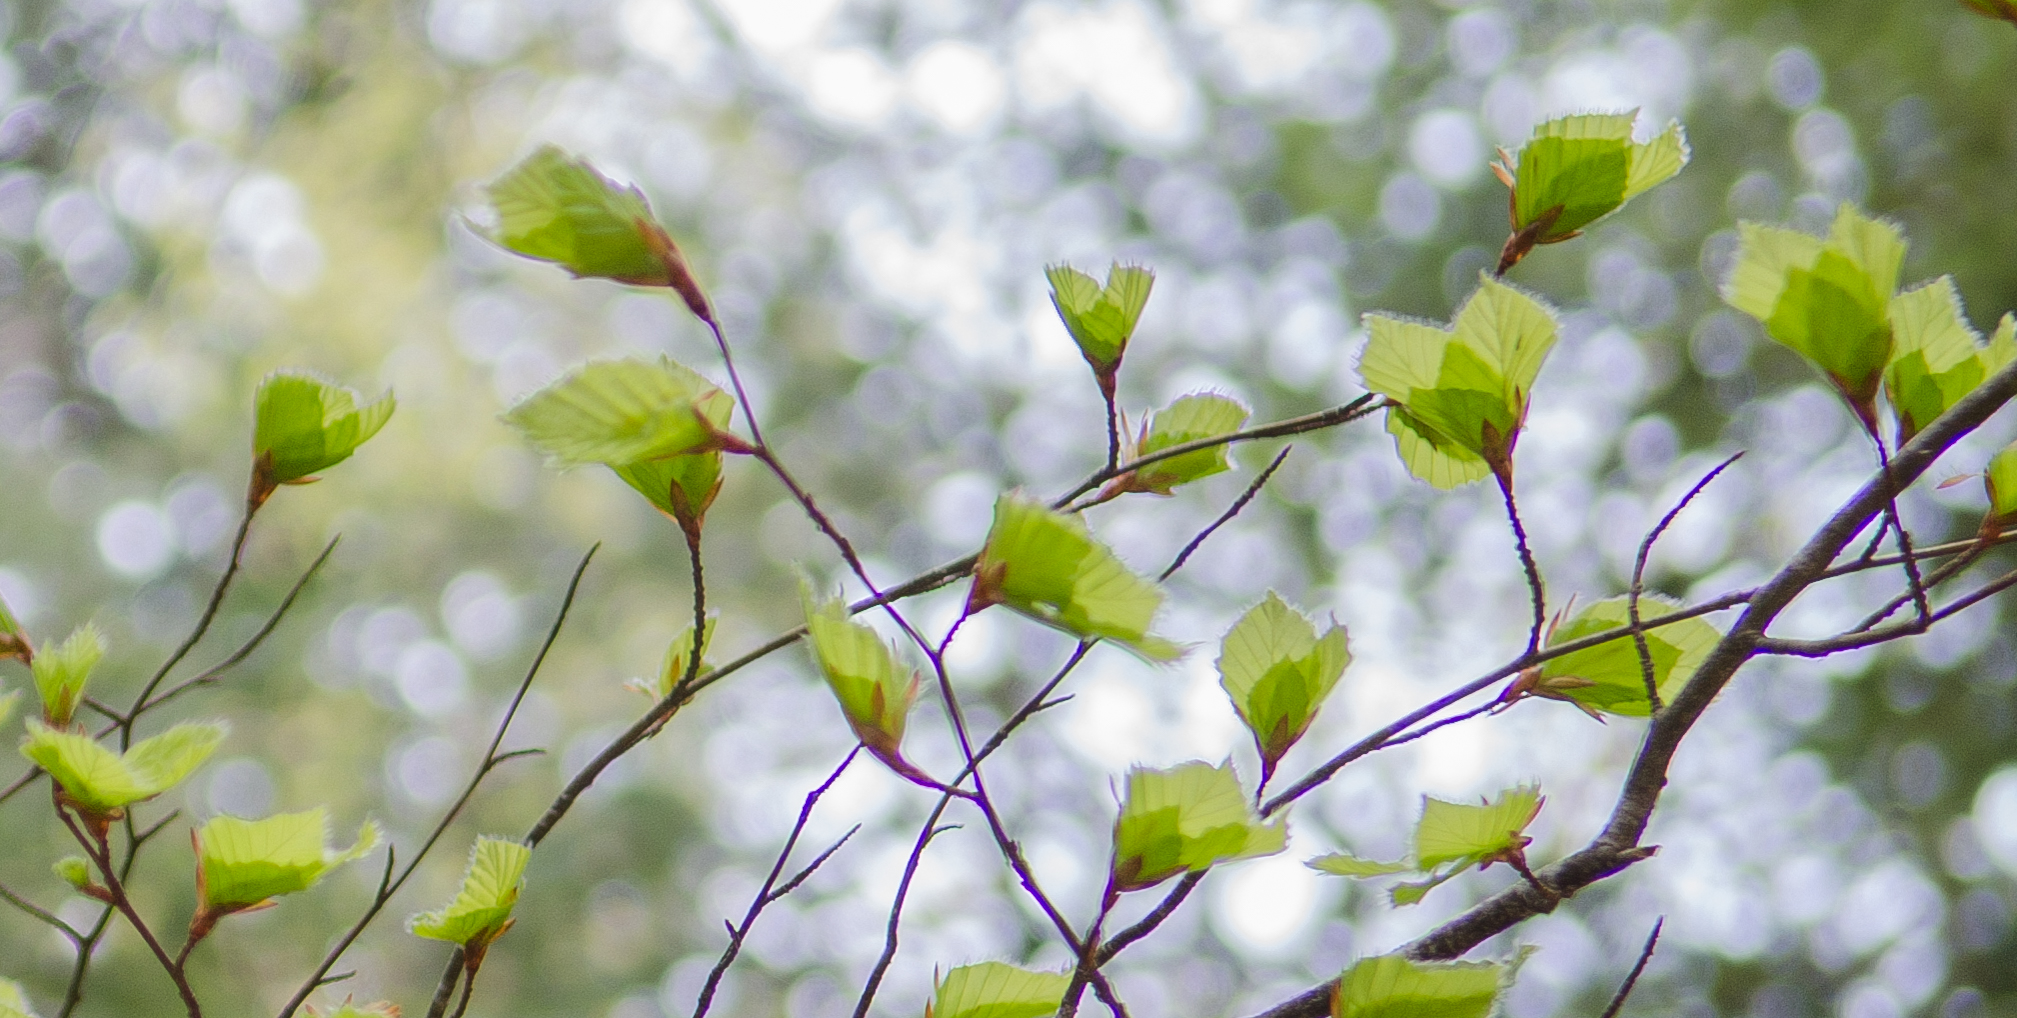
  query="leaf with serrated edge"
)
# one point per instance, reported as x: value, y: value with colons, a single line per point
x: 1186, y: 818
x: 695, y: 477
x: 1828, y: 300
x: 382, y: 1009
x: 1391, y: 986
x: 1345, y: 864
x: 992, y: 989
x: 673, y: 668
x: 1278, y: 672
x: 305, y: 424
x: 559, y: 209
x: 1613, y: 667
x: 1451, y: 832
x: 874, y: 690
x: 483, y: 904
x: 62, y: 671
x: 246, y: 862
x: 1101, y: 320
x: 1047, y: 566
x: 1191, y: 418
x: 96, y: 778
x: 619, y: 412
x: 1936, y: 356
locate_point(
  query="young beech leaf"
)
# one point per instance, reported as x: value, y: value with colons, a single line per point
x: 1101, y: 319
x: 1047, y: 566
x: 875, y: 691
x: 350, y: 1009
x: 1577, y: 170
x: 245, y: 862
x: 1936, y: 356
x: 73, y: 870
x: 1608, y: 677
x: 481, y: 911
x: 622, y: 413
x: 14, y: 1001
x: 304, y: 424
x: 1186, y: 819
x: 7, y: 706
x: 673, y: 668
x: 13, y: 640
x: 1829, y: 300
x: 1191, y: 418
x: 61, y: 672
x: 2000, y: 478
x: 1345, y: 864
x: 994, y: 990
x: 555, y: 208
x: 101, y: 781
x: 1457, y: 397
x: 1450, y: 837
x: 1278, y: 672
x: 1391, y: 986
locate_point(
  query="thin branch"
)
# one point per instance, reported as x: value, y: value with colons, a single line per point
x: 202, y: 623
x: 211, y: 674
x: 1534, y: 588
x: 1912, y: 578
x: 445, y: 991
x: 1639, y: 580
x: 931, y: 830
x: 1318, y: 421
x: 1227, y: 516
x: 41, y: 913
x: 1941, y: 575
x: 101, y: 855
x: 1872, y: 637
x: 1632, y: 979
x: 1157, y: 916
x: 1113, y: 429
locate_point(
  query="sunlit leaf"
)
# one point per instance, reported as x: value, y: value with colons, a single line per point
x: 62, y: 671
x: 481, y: 910
x: 623, y: 413
x: 73, y: 870
x: 1191, y: 418
x: 1467, y: 835
x: 1458, y: 396
x: 1048, y: 566
x: 1617, y: 682
x: 1391, y: 986
x: 98, y: 779
x: 14, y: 1000
x: 245, y: 862
x: 1576, y: 170
x: 994, y: 990
x: 1829, y: 300
x: 1345, y: 864
x: 678, y: 654
x: 1101, y: 319
x: 1936, y: 356
x: 556, y: 208
x: 1184, y: 819
x: 1278, y: 671
x: 304, y: 424
x: 2001, y: 481
x: 875, y: 691
x: 350, y: 1009
x: 13, y: 639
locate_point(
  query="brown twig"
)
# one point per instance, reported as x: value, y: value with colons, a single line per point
x: 1639, y: 581
x: 1535, y: 590
x: 202, y: 625
x: 1632, y: 978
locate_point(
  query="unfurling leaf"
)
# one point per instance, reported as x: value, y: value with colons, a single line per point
x: 991, y: 989
x: 624, y: 413
x: 61, y: 672
x: 481, y: 911
x: 1450, y: 837
x: 1185, y: 819
x: 2001, y: 480
x: 1191, y: 418
x: 243, y: 863
x: 101, y: 781
x: 350, y: 1009
x: 555, y: 208
x: 304, y: 424
x: 1829, y: 300
x: 1457, y: 397
x: 1278, y: 671
x: 1345, y: 864
x: 875, y: 691
x: 1936, y: 356
x: 1101, y: 319
x: 1577, y: 170
x: 7, y: 706
x: 678, y: 655
x: 1609, y: 677
x: 1048, y: 566
x: 1391, y: 986
x: 13, y: 639
x: 14, y: 1001
x: 73, y: 870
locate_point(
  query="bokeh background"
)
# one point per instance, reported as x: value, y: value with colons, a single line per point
x: 198, y: 191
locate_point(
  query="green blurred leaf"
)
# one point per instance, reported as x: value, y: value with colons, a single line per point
x: 1466, y: 835
x: 991, y: 989
x: 14, y: 1000
x: 481, y: 910
x: 1936, y: 356
x: 1047, y: 566
x: 1186, y: 818
x: 2001, y: 481
x: 13, y: 641
x: 556, y: 208
x: 62, y: 671
x: 304, y: 424
x: 246, y: 862
x: 100, y: 780
x: 1191, y: 418
x: 874, y: 690
x: 350, y: 1009
x: 73, y: 870
x: 623, y: 413
x: 7, y: 706
x: 1345, y: 864
x: 1101, y: 319
x: 677, y: 654
x: 1391, y: 986
x: 1278, y: 672
x: 1460, y: 393
x: 1617, y: 682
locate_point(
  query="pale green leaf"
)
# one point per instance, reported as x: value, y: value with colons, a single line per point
x: 875, y: 691
x: 1048, y: 566
x: 1190, y: 418
x: 96, y: 778
x: 621, y: 413
x: 1827, y: 300
x: 1278, y: 672
x: 1345, y: 864
x: 1465, y: 835
x: 1657, y: 161
x: 673, y: 668
x: 1391, y: 986
x: 14, y: 1001
x: 1936, y: 356
x: 483, y: 904
x: 304, y: 424
x: 1577, y: 164
x: 556, y: 208
x: 2001, y: 480
x: 992, y: 989
x: 1187, y: 818
x: 62, y: 671
x: 73, y: 870
x: 245, y: 862
x: 1431, y: 457
x: 1101, y: 320
x: 350, y: 1009
x: 1618, y: 680
x: 7, y: 706
x: 683, y: 487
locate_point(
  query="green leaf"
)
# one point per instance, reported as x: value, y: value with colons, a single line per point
x: 874, y: 690
x: 97, y: 779
x: 1617, y: 683
x: 673, y: 668
x: 994, y: 990
x: 1101, y: 319
x: 349, y: 1009
x: 1936, y: 356
x: 73, y: 870
x: 555, y: 208
x: 1586, y: 167
x: 1048, y: 566
x: 1458, y: 396
x: 1391, y: 986
x: 1465, y: 835
x: 683, y: 487
x: 246, y: 862
x: 7, y: 706
x: 61, y: 672
x: 481, y: 911
x: 1191, y: 418
x: 304, y: 424
x: 1278, y: 671
x: 1345, y: 864
x: 622, y: 413
x: 13, y: 640
x: 14, y: 1001
x: 2001, y: 480
x: 1187, y: 818
x: 1828, y: 300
